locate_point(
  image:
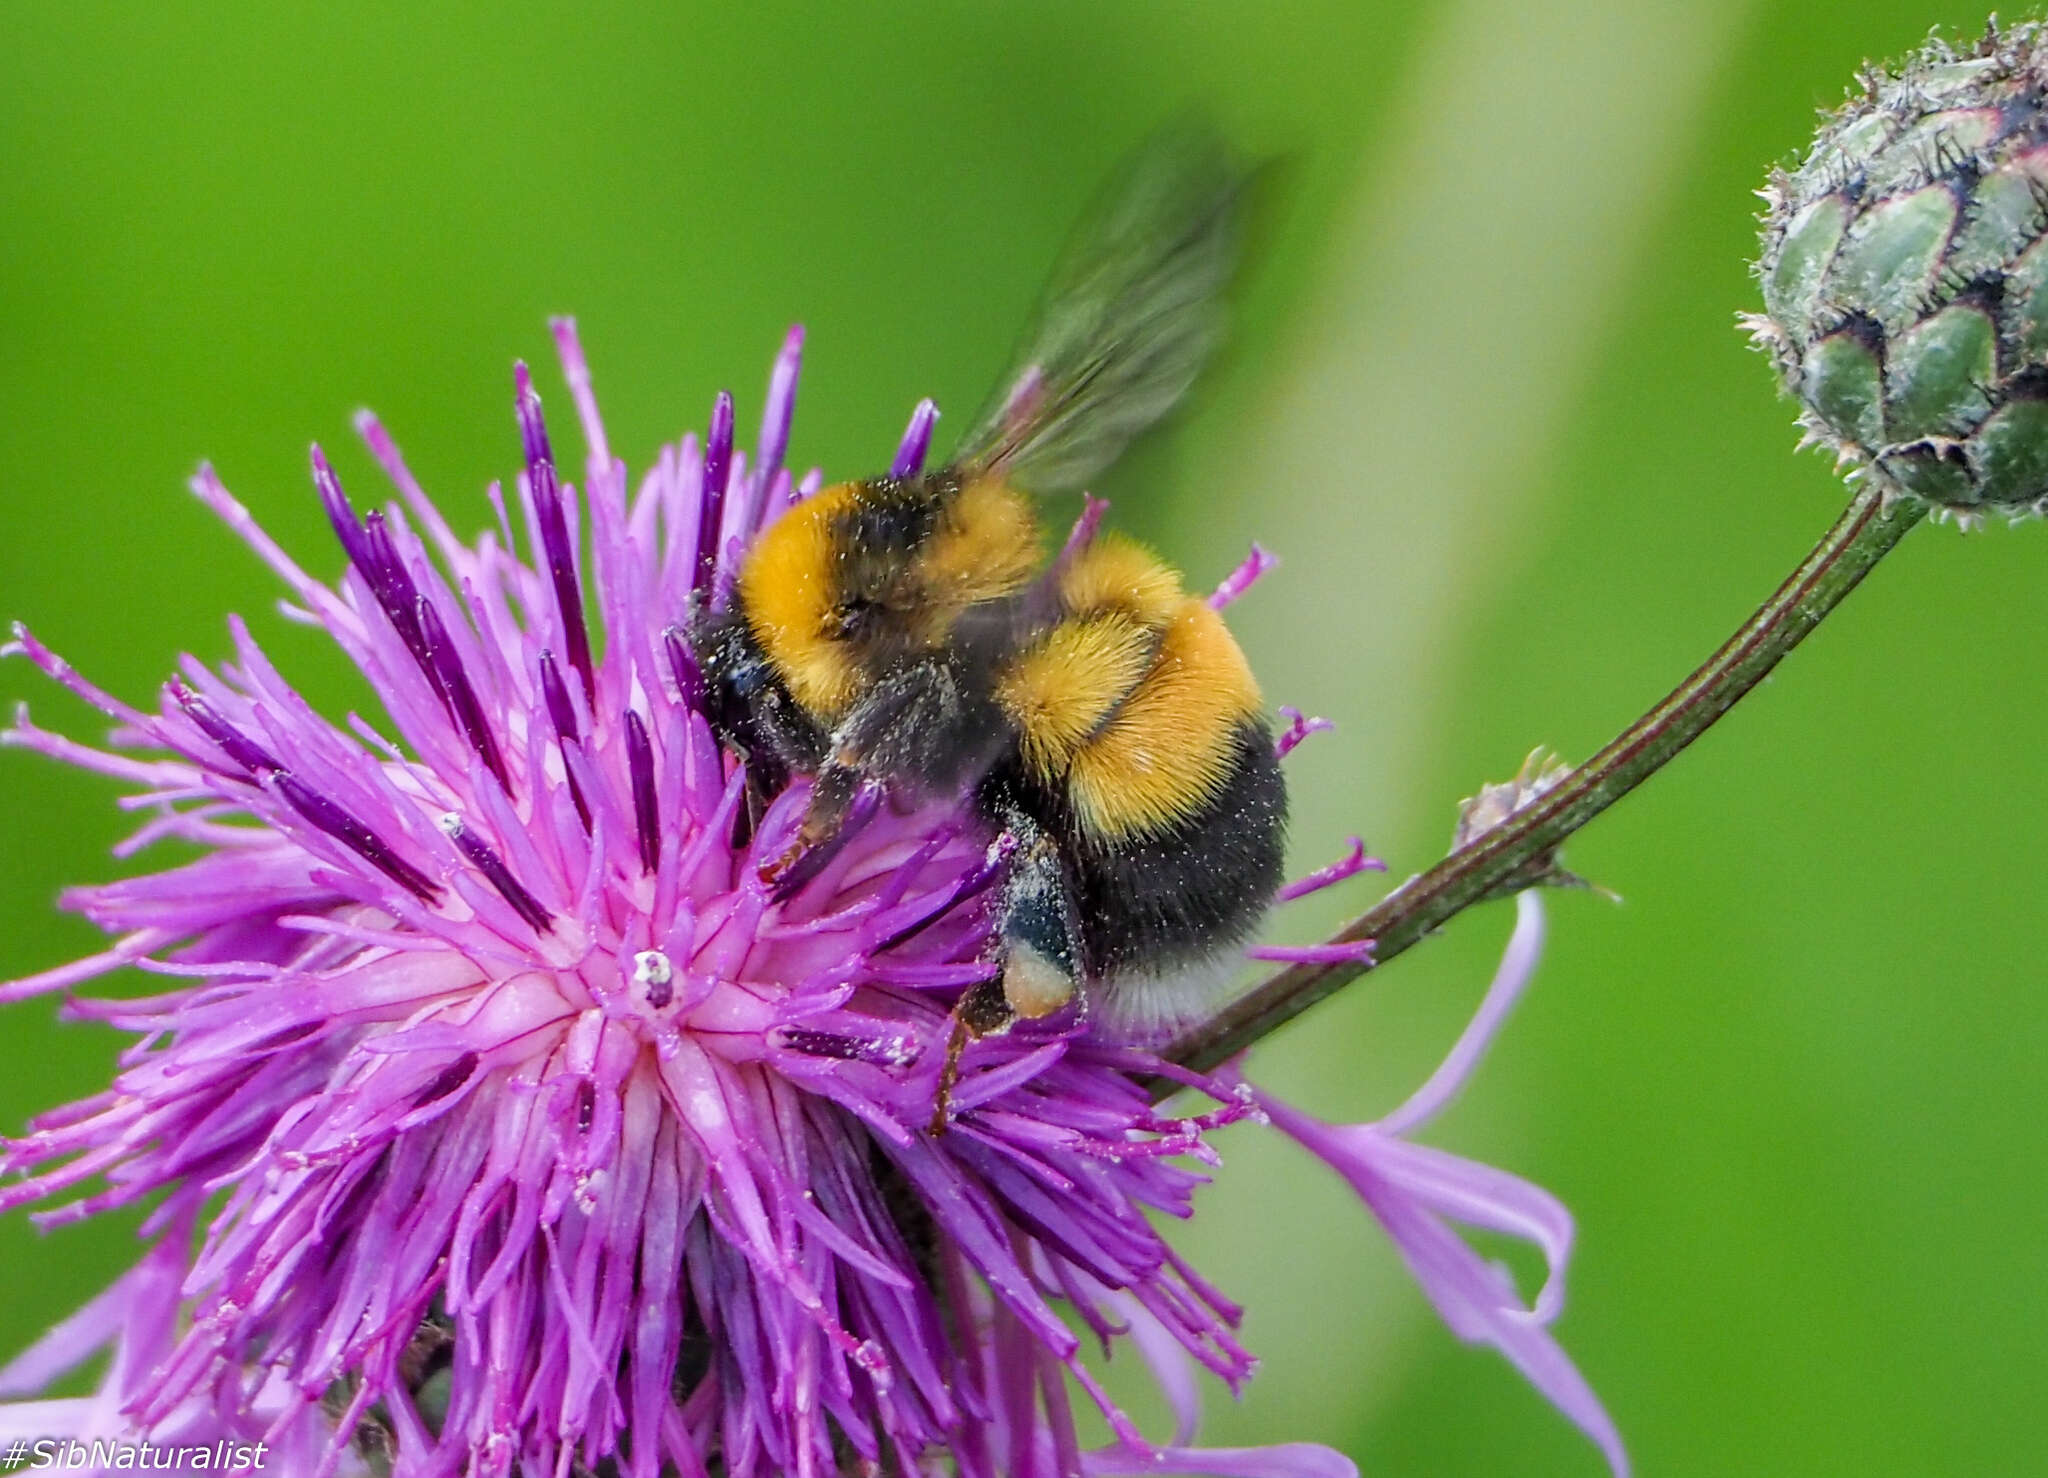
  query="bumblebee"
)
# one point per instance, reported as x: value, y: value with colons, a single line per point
x: 906, y: 634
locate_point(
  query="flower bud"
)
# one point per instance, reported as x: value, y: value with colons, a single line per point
x: 1905, y: 277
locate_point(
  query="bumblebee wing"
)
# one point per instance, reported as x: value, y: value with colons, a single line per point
x: 1130, y: 316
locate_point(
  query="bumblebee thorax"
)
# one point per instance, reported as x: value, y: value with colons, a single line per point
x: 867, y: 576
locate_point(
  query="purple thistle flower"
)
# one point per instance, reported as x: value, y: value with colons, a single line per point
x: 497, y: 1117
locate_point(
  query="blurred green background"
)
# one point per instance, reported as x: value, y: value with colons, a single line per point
x: 1486, y: 399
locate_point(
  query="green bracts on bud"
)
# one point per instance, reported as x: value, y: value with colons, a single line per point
x: 1905, y: 277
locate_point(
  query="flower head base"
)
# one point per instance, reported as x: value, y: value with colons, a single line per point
x: 1905, y: 277
x: 519, y: 1124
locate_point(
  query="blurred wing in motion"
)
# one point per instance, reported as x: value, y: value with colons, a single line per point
x: 1131, y: 314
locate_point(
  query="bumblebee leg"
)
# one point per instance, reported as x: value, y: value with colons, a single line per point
x: 1040, y: 941
x: 1040, y: 930
x: 832, y: 797
x: 832, y: 794
x: 921, y: 731
x: 980, y: 1012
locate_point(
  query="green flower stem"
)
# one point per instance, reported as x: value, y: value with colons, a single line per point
x: 1863, y: 535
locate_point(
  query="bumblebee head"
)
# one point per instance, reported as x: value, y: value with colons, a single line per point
x: 868, y: 576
